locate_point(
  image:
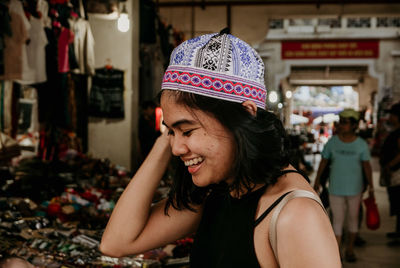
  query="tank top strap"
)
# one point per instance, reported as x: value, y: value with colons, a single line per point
x: 268, y: 210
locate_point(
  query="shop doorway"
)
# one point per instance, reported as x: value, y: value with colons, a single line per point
x: 328, y: 88
x: 318, y: 93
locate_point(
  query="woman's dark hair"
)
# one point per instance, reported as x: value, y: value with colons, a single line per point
x: 261, y: 148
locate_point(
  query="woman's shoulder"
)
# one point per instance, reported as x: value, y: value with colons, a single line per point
x: 301, y: 205
x: 301, y: 219
x: 287, y: 183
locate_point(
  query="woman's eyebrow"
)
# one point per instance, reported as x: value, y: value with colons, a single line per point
x: 180, y: 122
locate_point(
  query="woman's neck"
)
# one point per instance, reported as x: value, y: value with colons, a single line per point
x: 238, y: 193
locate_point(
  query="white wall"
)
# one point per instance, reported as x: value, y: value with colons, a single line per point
x: 117, y: 139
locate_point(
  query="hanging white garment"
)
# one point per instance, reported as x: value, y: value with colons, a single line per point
x: 28, y: 73
x: 16, y: 7
x: 15, y: 45
x: 83, y: 46
x: 36, y: 50
x: 43, y: 8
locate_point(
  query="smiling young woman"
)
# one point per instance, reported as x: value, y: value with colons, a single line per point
x: 204, y: 145
x: 234, y: 175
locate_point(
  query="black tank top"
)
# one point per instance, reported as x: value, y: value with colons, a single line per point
x: 225, y: 234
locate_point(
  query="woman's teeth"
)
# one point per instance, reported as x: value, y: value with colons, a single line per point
x: 194, y: 161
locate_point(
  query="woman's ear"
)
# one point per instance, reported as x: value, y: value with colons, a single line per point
x: 251, y: 107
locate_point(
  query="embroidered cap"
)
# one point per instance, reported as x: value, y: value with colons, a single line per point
x: 217, y: 65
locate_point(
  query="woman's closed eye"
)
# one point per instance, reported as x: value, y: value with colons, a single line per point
x: 187, y: 133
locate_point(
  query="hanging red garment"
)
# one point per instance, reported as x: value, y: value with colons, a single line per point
x: 66, y: 37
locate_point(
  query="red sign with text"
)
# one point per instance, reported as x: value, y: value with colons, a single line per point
x: 330, y: 49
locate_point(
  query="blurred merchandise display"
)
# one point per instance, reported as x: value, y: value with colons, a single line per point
x: 52, y: 214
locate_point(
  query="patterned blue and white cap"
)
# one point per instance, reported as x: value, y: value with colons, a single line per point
x: 217, y: 65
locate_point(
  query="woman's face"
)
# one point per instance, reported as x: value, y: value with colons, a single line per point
x: 201, y: 141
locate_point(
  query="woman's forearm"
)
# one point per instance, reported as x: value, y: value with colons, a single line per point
x: 131, y: 212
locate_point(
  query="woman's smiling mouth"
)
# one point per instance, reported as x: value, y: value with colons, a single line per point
x: 194, y: 161
x: 194, y: 164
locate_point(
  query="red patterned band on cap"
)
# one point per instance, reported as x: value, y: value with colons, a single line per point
x: 216, y: 85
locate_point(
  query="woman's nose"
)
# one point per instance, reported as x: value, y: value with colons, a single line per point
x: 178, y: 146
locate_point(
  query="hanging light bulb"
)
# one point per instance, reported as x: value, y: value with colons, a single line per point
x: 123, y: 20
x: 273, y: 97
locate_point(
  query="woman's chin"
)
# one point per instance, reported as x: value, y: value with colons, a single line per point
x: 199, y: 182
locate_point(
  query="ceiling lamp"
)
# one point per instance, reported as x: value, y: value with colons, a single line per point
x: 123, y: 20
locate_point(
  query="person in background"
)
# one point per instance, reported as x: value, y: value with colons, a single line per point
x: 234, y: 169
x: 349, y: 157
x: 390, y: 162
x: 147, y: 127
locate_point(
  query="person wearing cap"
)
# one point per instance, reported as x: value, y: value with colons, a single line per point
x: 349, y: 159
x: 389, y: 160
x: 233, y: 170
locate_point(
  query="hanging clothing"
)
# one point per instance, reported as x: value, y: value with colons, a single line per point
x: 81, y: 100
x: 16, y: 63
x: 28, y: 73
x: 7, y: 106
x: 14, y: 47
x: 43, y: 8
x: 151, y: 71
x: 83, y: 46
x: 66, y: 37
x: 5, y: 29
x: 17, y: 7
x: 36, y: 50
x: 14, y: 109
x: 106, y: 98
x: 148, y: 18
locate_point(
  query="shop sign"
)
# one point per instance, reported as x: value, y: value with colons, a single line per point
x: 329, y: 49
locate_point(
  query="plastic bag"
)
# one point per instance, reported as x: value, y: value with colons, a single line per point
x: 372, y: 215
